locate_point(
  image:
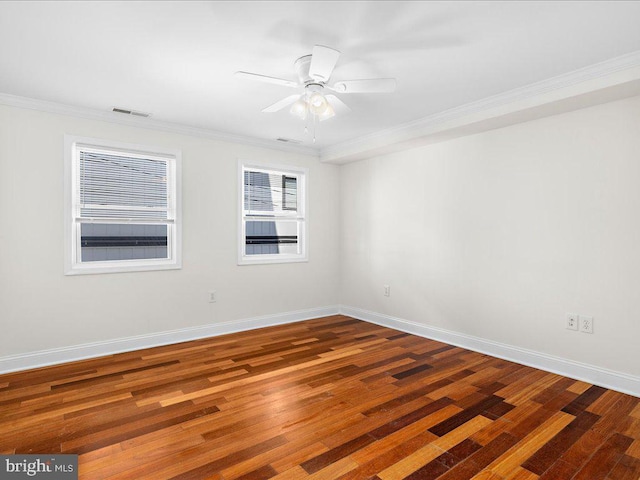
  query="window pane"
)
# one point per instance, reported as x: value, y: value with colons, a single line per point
x: 271, y: 237
x: 120, y: 186
x: 105, y: 242
x: 289, y: 193
x: 269, y: 192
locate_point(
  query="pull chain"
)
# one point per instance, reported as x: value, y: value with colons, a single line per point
x: 314, y: 129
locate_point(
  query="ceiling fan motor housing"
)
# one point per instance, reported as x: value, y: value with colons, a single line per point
x: 301, y: 66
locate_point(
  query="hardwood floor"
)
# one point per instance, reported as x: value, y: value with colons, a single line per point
x: 331, y: 398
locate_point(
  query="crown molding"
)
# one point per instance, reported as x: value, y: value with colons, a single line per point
x: 616, y: 78
x: 149, y: 123
x: 617, y: 71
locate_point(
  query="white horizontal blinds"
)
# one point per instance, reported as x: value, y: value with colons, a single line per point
x: 122, y: 187
x: 268, y: 193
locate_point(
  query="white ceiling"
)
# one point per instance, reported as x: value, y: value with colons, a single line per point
x: 177, y: 60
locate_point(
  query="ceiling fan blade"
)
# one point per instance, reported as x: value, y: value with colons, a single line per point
x: 372, y: 85
x: 266, y: 79
x: 281, y: 104
x: 337, y: 104
x: 323, y: 60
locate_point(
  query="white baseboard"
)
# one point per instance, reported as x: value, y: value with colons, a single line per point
x: 56, y: 356
x: 619, y: 381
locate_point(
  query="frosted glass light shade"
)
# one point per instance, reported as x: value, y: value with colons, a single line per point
x: 317, y: 103
x: 300, y: 108
x: 328, y: 113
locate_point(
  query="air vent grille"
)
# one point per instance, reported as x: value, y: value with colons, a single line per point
x: 130, y: 112
x: 287, y: 140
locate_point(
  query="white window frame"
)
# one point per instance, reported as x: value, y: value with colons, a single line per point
x: 72, y: 261
x: 301, y: 215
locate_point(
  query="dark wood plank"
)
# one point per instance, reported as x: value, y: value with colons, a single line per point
x: 584, y: 400
x: 466, y: 415
x: 627, y: 468
x: 604, y: 459
x: 554, y: 448
x: 560, y: 470
x: 475, y: 463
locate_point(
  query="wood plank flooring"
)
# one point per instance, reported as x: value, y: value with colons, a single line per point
x: 331, y: 398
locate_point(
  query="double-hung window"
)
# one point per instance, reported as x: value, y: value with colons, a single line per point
x: 122, y: 207
x: 273, y: 223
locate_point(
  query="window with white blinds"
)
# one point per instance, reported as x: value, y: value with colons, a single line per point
x: 273, y: 223
x: 123, y: 186
x: 123, y: 205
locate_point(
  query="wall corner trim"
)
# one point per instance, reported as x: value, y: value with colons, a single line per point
x: 622, y: 382
x: 44, y: 358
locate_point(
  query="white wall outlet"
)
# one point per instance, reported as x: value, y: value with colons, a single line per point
x: 586, y: 324
x: 387, y: 290
x: 572, y: 321
x: 212, y: 297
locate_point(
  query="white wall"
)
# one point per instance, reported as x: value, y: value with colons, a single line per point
x: 495, y: 236
x: 499, y: 235
x: 41, y: 309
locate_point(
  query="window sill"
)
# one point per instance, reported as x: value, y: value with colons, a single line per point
x: 270, y: 259
x: 120, y: 267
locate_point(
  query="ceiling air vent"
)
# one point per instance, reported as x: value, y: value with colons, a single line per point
x: 287, y: 140
x: 130, y: 112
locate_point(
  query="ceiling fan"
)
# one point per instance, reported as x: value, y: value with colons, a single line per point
x: 314, y: 72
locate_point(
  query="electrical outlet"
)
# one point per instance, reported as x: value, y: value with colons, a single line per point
x: 387, y: 290
x: 572, y: 321
x: 586, y: 324
x: 212, y: 297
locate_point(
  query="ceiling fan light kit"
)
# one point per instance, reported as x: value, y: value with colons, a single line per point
x: 314, y: 72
